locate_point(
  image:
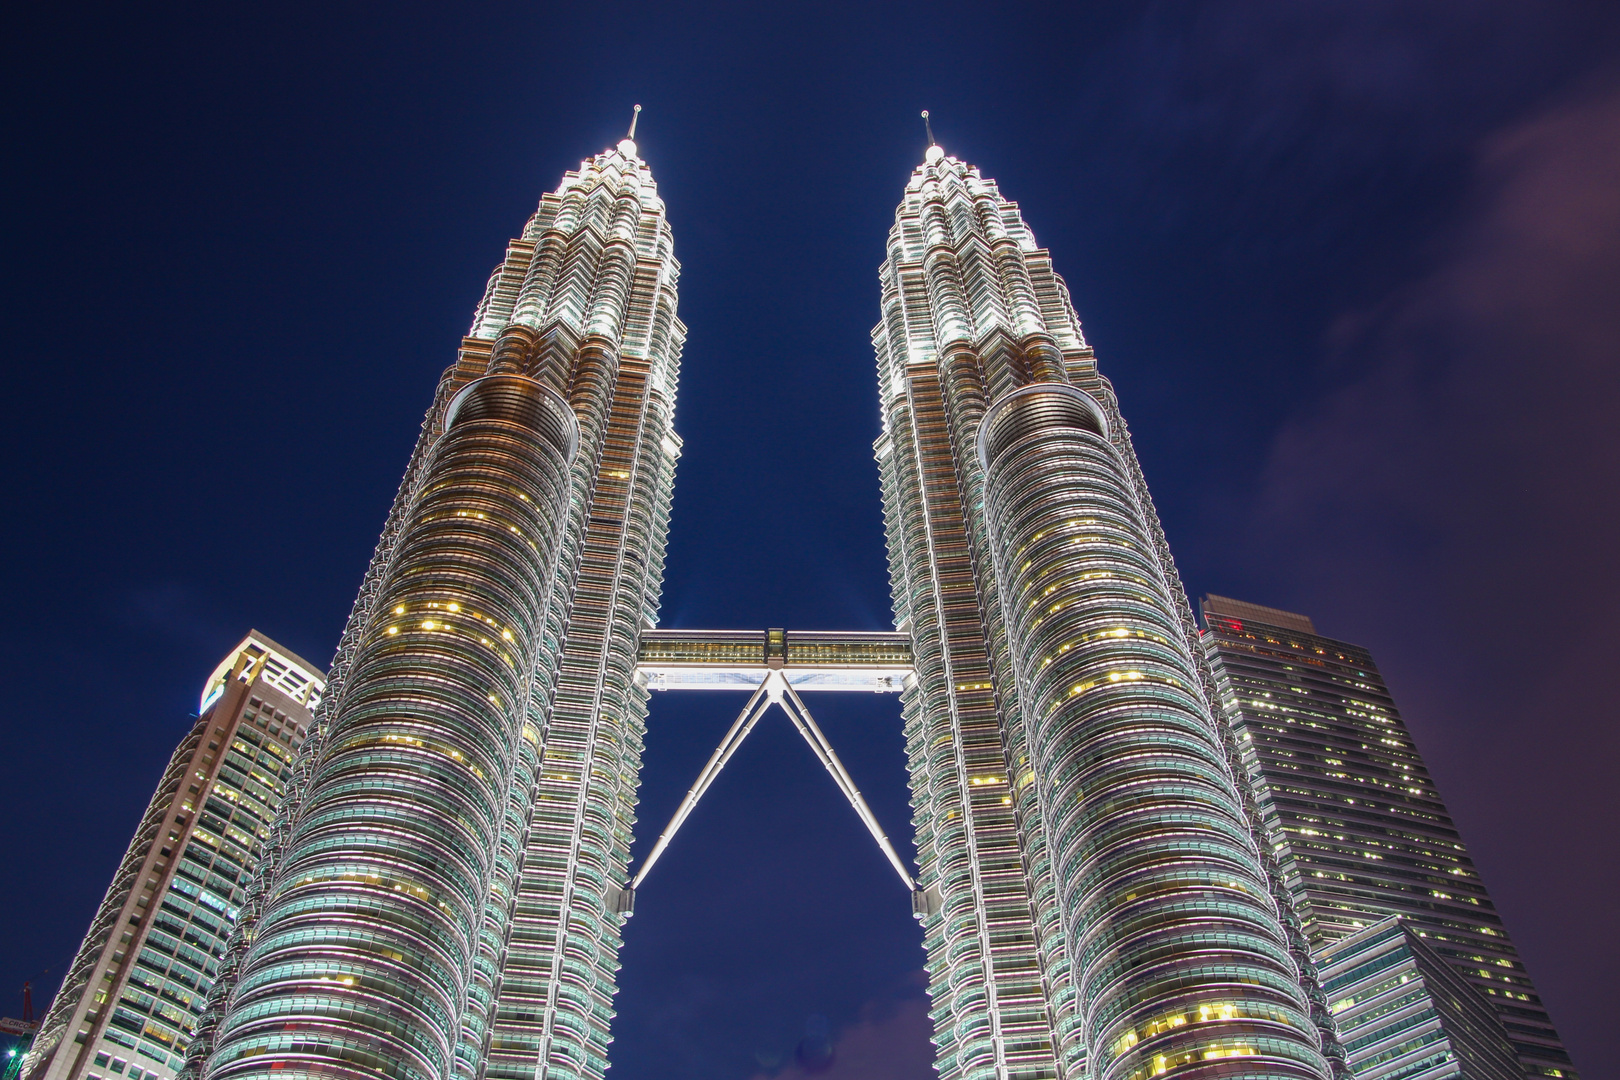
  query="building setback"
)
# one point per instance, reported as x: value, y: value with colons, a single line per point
x: 1405, y: 1014
x: 1096, y: 903
x: 134, y: 992
x: 1102, y: 895
x: 1353, y: 817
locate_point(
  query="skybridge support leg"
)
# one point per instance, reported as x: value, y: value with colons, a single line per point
x: 794, y: 706
x: 728, y: 746
x: 775, y: 690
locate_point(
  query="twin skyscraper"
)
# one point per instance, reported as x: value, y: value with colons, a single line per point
x: 1105, y: 887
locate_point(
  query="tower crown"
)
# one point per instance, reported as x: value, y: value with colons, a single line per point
x: 963, y: 270
x: 594, y: 262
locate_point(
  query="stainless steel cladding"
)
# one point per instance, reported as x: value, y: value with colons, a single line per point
x: 1104, y: 910
x: 1179, y: 958
x: 442, y: 901
x: 362, y: 955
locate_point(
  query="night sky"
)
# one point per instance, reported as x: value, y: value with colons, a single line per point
x: 1353, y: 266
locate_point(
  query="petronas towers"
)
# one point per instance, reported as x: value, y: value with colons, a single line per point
x: 444, y: 890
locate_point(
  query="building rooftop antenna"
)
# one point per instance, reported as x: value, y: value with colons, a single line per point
x: 935, y: 153
x: 627, y: 145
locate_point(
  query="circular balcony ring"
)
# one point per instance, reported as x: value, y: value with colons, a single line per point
x: 1021, y: 412
x: 518, y: 399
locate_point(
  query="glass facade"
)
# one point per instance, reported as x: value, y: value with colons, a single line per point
x: 1405, y: 1014
x: 1351, y: 815
x: 133, y: 995
x: 1100, y: 905
x: 364, y: 947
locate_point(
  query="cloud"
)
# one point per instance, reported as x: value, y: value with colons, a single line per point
x: 1457, y: 506
x: 889, y: 1042
x: 1475, y: 443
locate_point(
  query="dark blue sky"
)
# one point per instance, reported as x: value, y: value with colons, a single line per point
x: 1353, y: 265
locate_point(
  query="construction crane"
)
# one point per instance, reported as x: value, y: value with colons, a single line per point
x: 23, y: 1030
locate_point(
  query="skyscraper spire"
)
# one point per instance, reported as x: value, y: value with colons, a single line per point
x: 928, y: 127
x: 627, y: 145
x: 1100, y: 906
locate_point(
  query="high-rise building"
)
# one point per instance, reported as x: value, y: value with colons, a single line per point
x: 134, y: 992
x: 441, y: 896
x: 1405, y: 1014
x: 436, y: 904
x: 1353, y: 818
x: 1098, y: 903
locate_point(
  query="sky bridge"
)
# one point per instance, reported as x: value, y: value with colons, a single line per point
x: 775, y: 666
x: 877, y: 662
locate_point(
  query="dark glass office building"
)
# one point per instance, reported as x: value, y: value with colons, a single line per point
x: 1352, y: 816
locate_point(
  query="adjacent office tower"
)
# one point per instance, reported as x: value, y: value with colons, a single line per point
x: 438, y: 904
x: 1354, y: 818
x: 133, y: 994
x: 1096, y: 902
